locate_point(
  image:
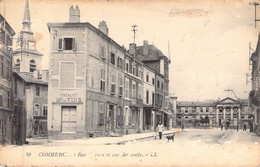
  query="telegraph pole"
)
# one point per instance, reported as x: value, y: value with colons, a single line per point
x: 255, y: 4
x: 134, y: 30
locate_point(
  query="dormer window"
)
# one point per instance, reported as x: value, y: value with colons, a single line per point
x: 67, y: 43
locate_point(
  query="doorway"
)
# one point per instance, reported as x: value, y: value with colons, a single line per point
x: 69, y: 119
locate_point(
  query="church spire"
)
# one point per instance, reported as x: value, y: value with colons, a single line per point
x: 27, y: 18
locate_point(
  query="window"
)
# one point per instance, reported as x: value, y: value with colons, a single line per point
x: 133, y: 70
x: 147, y: 97
x: 101, y: 111
x: 15, y: 85
x: 44, y: 110
x: 140, y: 72
x: 186, y: 110
x: 113, y: 84
x: 66, y: 43
x: 153, y: 98
x: 32, y: 66
x: 2, y: 36
x: 162, y: 85
x: 1, y: 100
x: 120, y: 80
x: 139, y: 91
x: 102, y: 52
x: 67, y: 75
x: 158, y: 84
x: 147, y: 77
x: 127, y: 65
x: 17, y: 64
x: 193, y: 109
x: 8, y: 69
x: 127, y: 87
x: 8, y: 99
x: 1, y: 65
x: 153, y: 81
x: 102, y: 80
x: 37, y: 92
x: 112, y: 58
x: 37, y: 110
x: 133, y: 90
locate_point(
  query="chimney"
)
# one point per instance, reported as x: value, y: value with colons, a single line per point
x: 103, y: 27
x: 145, y: 48
x: 45, y: 75
x: 74, y: 14
x: 36, y: 74
x: 132, y: 48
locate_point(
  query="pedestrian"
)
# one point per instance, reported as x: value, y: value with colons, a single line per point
x: 160, y: 129
x: 221, y: 127
x: 244, y: 127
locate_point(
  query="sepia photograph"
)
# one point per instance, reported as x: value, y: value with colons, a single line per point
x: 130, y: 83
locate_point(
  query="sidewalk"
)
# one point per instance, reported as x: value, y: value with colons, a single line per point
x: 100, y: 140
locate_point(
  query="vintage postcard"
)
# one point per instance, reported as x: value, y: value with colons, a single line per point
x: 129, y: 83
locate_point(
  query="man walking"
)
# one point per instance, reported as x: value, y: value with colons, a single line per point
x: 160, y: 129
x: 244, y: 127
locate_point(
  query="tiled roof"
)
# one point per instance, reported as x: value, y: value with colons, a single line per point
x: 27, y: 77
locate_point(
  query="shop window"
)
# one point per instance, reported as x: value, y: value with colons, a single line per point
x: 101, y: 112
x: 102, y: 80
x: 119, y: 117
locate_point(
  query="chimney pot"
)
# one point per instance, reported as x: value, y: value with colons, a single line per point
x: 145, y: 48
x: 74, y: 14
x: 103, y: 27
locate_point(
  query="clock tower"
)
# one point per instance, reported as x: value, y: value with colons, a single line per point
x: 26, y: 57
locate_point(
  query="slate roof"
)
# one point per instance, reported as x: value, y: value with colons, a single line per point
x: 154, y: 54
x: 28, y: 77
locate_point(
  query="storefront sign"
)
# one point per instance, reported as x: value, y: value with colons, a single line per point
x: 69, y: 98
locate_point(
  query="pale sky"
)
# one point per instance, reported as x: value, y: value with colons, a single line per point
x: 208, y: 39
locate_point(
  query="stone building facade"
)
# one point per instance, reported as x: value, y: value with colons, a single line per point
x: 254, y: 96
x: 6, y: 109
x: 30, y: 85
x: 96, y: 87
x: 229, y: 111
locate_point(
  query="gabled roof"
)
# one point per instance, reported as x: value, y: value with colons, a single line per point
x: 27, y: 77
x: 228, y: 100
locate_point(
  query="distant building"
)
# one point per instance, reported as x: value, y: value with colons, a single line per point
x: 6, y: 109
x: 30, y: 84
x: 254, y: 96
x: 229, y: 111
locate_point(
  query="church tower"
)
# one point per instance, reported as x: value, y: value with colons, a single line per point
x: 26, y: 57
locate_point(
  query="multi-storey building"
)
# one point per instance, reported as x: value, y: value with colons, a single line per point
x: 254, y: 96
x: 133, y: 92
x: 229, y: 110
x: 86, y: 88
x: 30, y: 85
x: 149, y: 97
x: 156, y: 60
x: 6, y: 109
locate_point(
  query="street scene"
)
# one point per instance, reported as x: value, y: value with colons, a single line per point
x: 110, y: 83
